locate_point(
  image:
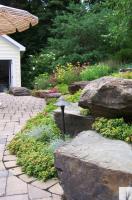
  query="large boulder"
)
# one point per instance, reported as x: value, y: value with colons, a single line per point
x: 91, y: 167
x: 75, y: 122
x: 108, y: 97
x: 20, y: 91
x: 74, y: 87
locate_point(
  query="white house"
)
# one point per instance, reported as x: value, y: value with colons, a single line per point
x: 10, y: 62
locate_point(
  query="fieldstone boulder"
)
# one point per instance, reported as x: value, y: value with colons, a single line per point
x: 126, y: 70
x: 53, y: 95
x: 74, y: 121
x: 46, y: 94
x: 74, y: 87
x: 92, y: 167
x: 20, y: 91
x: 108, y: 97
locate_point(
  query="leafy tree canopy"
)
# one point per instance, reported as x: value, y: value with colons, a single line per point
x: 75, y: 32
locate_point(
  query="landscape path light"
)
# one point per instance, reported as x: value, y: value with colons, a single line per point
x: 62, y: 104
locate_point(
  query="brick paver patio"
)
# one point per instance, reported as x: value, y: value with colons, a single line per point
x: 14, y: 184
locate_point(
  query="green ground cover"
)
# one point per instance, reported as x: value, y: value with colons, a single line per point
x: 34, y: 146
x: 114, y: 128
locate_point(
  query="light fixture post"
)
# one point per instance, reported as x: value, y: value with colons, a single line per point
x: 63, y: 121
x: 62, y: 103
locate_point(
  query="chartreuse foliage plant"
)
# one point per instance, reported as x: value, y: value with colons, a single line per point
x: 84, y: 112
x: 113, y: 128
x: 33, y: 146
x: 62, y: 88
x: 126, y: 75
x: 50, y: 105
x: 74, y: 97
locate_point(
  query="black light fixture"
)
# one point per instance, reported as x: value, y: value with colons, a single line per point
x: 62, y: 104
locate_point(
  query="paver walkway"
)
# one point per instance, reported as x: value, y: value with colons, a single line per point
x: 14, y: 184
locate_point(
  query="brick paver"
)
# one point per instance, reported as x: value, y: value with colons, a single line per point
x: 14, y: 185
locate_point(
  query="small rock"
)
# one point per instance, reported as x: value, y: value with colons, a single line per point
x: 47, y: 94
x: 76, y: 86
x: 20, y: 91
x: 126, y: 70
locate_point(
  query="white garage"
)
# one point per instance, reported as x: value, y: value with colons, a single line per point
x: 10, y: 63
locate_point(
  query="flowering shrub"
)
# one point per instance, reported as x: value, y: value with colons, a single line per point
x: 67, y: 74
x: 42, y: 81
x: 42, y: 62
x: 62, y: 76
x: 54, y: 90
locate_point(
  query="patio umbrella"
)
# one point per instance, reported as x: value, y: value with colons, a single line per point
x: 12, y: 20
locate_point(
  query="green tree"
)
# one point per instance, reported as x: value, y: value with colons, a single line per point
x: 75, y: 33
x: 120, y: 28
x: 78, y: 35
x: 35, y: 38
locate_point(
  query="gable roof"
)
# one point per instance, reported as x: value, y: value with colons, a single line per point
x: 15, y: 43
